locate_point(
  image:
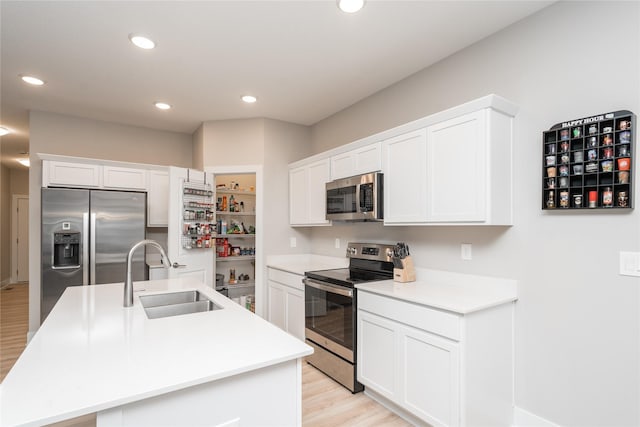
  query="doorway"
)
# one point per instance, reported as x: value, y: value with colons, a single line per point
x: 19, y: 238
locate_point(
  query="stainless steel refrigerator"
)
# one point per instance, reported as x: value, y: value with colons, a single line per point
x: 86, y: 236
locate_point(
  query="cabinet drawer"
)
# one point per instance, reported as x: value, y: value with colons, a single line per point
x: 286, y: 278
x: 418, y: 316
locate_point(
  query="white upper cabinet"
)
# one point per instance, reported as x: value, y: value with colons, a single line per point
x: 124, y: 178
x: 357, y: 161
x: 457, y: 169
x: 453, y: 167
x: 454, y: 172
x: 70, y: 174
x: 307, y: 195
x: 405, y: 178
x: 158, y: 199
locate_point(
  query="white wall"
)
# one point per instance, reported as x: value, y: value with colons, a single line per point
x: 578, y: 321
x: 73, y: 136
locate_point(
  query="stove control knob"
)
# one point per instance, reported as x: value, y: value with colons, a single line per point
x: 390, y: 253
x: 351, y: 251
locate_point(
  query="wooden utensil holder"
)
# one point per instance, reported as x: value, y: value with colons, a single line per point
x: 405, y: 274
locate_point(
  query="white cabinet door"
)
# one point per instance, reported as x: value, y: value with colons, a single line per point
x: 277, y: 305
x: 358, y: 161
x: 295, y: 312
x: 405, y: 180
x: 307, y: 195
x: 368, y: 158
x: 430, y: 377
x: 71, y: 174
x: 342, y: 165
x: 124, y: 178
x: 377, y: 354
x: 318, y: 176
x: 158, y: 199
x: 298, y: 196
x: 456, y: 169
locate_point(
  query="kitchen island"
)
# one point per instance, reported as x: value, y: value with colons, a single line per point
x: 221, y: 367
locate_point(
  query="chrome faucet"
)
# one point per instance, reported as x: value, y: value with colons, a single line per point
x: 128, y: 283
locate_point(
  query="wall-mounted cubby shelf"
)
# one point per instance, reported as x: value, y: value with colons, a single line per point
x: 588, y: 163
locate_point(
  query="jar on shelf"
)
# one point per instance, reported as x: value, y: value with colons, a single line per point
x: 607, y: 197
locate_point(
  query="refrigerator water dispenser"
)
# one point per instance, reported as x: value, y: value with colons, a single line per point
x: 66, y: 250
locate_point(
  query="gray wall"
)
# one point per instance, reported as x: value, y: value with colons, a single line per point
x: 578, y: 322
x: 72, y: 136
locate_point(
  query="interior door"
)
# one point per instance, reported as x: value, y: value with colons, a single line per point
x: 22, y: 239
x: 198, y: 263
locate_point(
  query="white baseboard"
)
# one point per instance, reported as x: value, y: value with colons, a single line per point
x: 5, y: 282
x: 522, y: 418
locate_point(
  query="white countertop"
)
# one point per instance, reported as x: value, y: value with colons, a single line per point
x: 459, y: 293
x: 299, y: 264
x: 92, y: 354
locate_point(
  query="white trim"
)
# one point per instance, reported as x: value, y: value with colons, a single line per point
x: 522, y: 418
x: 260, y: 285
x: 14, y: 234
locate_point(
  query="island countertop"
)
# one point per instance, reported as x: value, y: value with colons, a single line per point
x: 92, y: 354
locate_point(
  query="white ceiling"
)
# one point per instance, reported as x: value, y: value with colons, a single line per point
x: 304, y: 60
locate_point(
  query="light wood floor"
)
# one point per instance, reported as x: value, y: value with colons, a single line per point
x: 324, y: 401
x: 14, y: 324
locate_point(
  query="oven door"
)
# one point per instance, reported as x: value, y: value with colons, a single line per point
x: 329, y: 317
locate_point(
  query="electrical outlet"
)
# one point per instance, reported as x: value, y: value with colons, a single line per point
x: 292, y: 242
x: 630, y: 263
x: 337, y: 243
x: 465, y: 251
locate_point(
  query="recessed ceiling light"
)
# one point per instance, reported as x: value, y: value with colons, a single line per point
x: 249, y: 99
x: 4, y: 131
x: 162, y: 105
x: 350, y: 6
x: 32, y: 80
x: 141, y: 41
x: 24, y: 162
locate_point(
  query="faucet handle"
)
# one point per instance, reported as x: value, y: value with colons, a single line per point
x: 176, y: 265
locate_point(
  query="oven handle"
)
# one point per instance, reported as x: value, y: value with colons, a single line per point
x: 328, y: 287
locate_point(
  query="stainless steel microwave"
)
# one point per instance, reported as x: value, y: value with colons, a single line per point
x: 357, y: 198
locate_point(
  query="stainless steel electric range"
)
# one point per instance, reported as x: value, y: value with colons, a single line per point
x: 331, y: 307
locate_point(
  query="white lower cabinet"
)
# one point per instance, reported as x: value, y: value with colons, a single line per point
x: 429, y: 376
x: 438, y: 367
x: 377, y: 338
x: 286, y: 302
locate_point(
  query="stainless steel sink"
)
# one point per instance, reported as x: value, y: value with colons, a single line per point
x: 176, y: 304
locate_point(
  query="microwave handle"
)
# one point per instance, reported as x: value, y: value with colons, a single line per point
x: 358, y: 199
x: 328, y: 288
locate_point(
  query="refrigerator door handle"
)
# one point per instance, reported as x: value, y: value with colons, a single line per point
x: 85, y: 248
x: 93, y: 250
